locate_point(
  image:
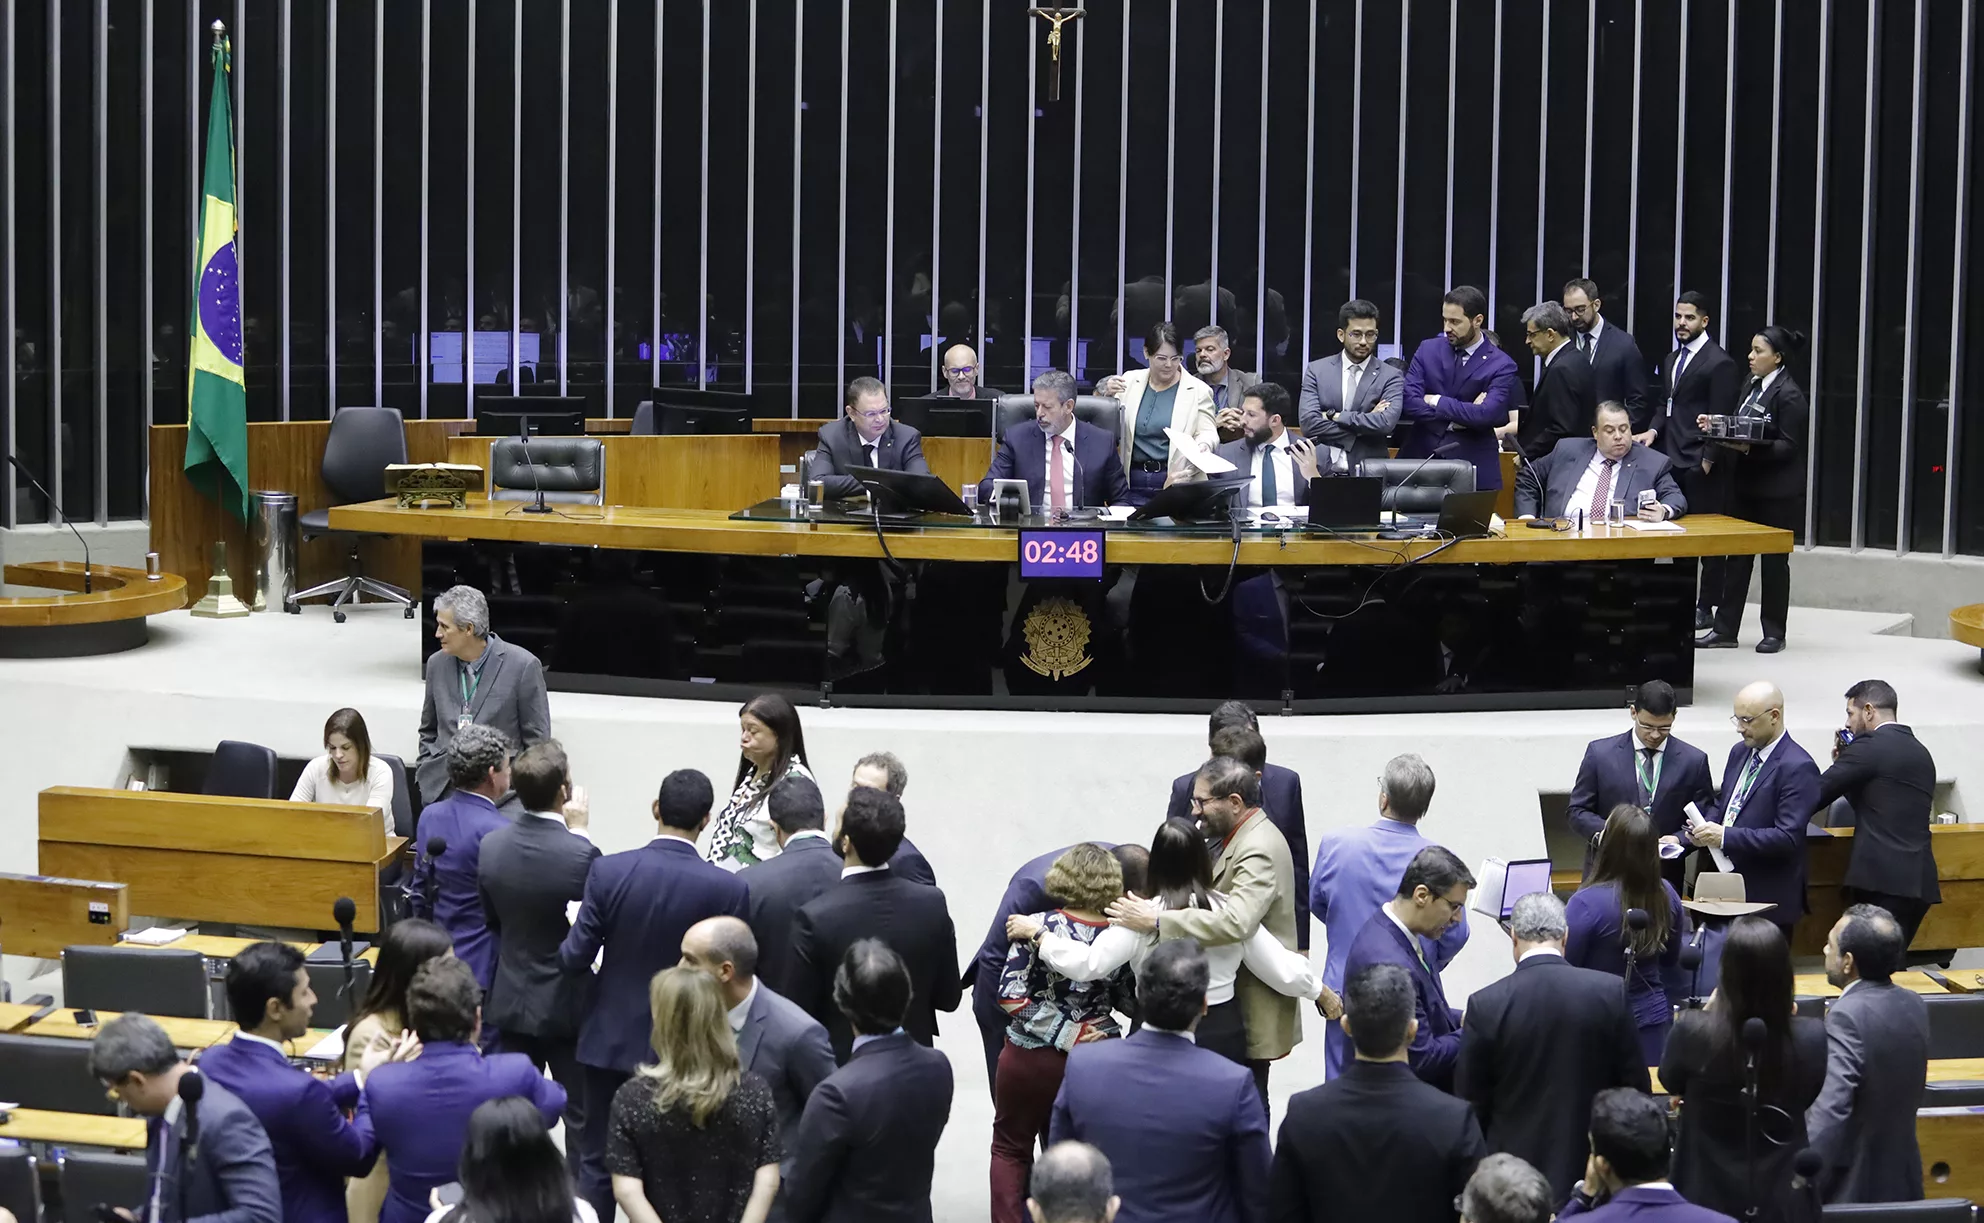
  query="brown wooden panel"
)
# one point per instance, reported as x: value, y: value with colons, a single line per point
x: 795, y: 436
x: 255, y: 891
x: 1505, y: 501
x: 714, y: 531
x: 1957, y: 922
x: 202, y: 823
x: 117, y: 593
x: 285, y: 456
x: 609, y: 424
x: 1959, y: 850
x: 714, y: 472
x: 40, y: 915
x: 1967, y: 624
x: 186, y: 1033
x: 74, y: 1129
x: 958, y: 461
x: 1952, y: 1142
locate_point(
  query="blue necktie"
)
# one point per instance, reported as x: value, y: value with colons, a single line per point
x: 1680, y: 363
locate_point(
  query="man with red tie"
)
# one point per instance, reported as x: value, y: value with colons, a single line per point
x: 1459, y: 390
x: 1066, y: 463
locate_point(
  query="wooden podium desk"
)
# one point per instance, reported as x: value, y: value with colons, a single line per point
x: 185, y: 1033
x: 1957, y: 922
x: 703, y: 472
x: 258, y: 862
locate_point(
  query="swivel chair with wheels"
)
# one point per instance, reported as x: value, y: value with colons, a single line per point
x: 363, y: 442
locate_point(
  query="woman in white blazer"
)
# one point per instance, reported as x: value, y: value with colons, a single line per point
x: 1149, y: 457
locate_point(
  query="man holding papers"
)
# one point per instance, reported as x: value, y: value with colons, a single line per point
x: 1588, y: 473
x: 1065, y: 462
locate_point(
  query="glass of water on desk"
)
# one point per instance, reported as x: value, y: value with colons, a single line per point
x: 969, y: 493
x: 1615, y: 514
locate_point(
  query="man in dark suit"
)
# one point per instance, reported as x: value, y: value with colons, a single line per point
x: 1889, y: 779
x: 1431, y: 896
x: 1618, y: 370
x: 1697, y: 379
x: 961, y: 374
x: 1877, y: 1065
x: 865, y: 437
x: 475, y: 677
x: 1538, y: 1044
x: 234, y: 1178
x: 866, y: 1147
x: 886, y: 771
x: 1770, y: 788
x: 420, y: 1109
x: 1647, y: 767
x: 776, y: 1041
x: 478, y: 776
x: 637, y: 906
x: 1565, y: 397
x: 872, y: 902
x: 1625, y: 1176
x: 806, y: 865
x: 1038, y: 451
x: 1588, y: 472
x: 1185, y: 1131
x: 313, y: 1145
x: 1376, y: 1141
x: 1459, y: 389
x: 530, y: 871
x: 1277, y: 464
x: 1352, y: 400
x: 1281, y: 798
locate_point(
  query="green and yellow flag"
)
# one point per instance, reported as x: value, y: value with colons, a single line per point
x: 217, y: 394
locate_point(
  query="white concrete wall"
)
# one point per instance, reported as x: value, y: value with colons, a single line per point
x: 1925, y: 586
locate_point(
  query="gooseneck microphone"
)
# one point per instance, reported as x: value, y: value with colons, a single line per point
x: 1754, y: 1035
x: 436, y: 846
x: 191, y: 1088
x: 61, y: 513
x: 523, y: 437
x: 344, y: 911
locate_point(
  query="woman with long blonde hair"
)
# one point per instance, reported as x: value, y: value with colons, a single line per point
x: 693, y: 1138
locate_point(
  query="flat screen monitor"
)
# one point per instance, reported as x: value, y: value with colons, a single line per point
x: 1345, y: 503
x: 912, y: 490
x: 695, y: 397
x: 683, y: 418
x: 509, y: 422
x: 1198, y: 499
x: 944, y: 416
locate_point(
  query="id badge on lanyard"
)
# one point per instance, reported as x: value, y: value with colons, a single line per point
x: 465, y: 718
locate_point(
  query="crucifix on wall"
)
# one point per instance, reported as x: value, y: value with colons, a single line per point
x: 1057, y: 17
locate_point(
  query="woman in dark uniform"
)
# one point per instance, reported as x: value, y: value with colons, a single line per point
x: 1768, y: 486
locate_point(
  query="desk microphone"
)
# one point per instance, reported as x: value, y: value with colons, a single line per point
x: 343, y: 911
x: 61, y: 513
x: 1442, y: 448
x: 436, y: 846
x: 1806, y: 1167
x: 523, y: 437
x: 1076, y: 510
x: 191, y: 1088
x: 1539, y: 522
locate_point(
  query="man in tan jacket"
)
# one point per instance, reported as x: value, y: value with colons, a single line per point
x: 1253, y: 870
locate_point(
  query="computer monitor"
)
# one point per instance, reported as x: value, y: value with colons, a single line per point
x: 1346, y: 503
x: 1199, y: 499
x: 945, y: 416
x: 682, y: 418
x: 529, y: 416
x: 912, y: 490
x: 704, y: 397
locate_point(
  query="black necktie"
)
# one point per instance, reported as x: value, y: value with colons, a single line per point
x: 870, y: 448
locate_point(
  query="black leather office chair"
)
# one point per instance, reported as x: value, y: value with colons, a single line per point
x: 569, y: 470
x: 51, y: 1072
x: 334, y: 1005
x: 392, y: 876
x: 363, y: 442
x: 157, y: 982
x: 241, y: 770
x: 1933, y: 1210
x: 91, y: 1178
x: 643, y: 419
x: 1097, y: 410
x: 1415, y: 486
x: 20, y: 1184
x: 1956, y: 1025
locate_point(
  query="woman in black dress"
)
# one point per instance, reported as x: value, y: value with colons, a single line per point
x: 693, y: 1139
x: 1703, y: 1068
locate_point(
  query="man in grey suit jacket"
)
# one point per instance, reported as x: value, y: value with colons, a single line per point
x: 806, y: 866
x: 776, y: 1040
x: 1579, y: 469
x: 477, y: 677
x: 1362, y: 424
x: 528, y: 872
x: 1877, y: 1062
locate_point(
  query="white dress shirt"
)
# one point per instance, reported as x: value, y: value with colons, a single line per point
x: 1274, y: 451
x: 1694, y: 349
x: 1067, y: 467
x: 1758, y: 392
x: 742, y: 1011
x: 1588, y: 482
x: 848, y: 872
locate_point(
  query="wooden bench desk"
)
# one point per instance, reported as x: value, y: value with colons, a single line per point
x: 14, y: 1015
x: 74, y: 1129
x: 185, y: 1033
x: 1815, y: 985
x: 214, y: 946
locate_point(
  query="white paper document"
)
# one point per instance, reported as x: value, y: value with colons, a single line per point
x: 1204, y: 460
x: 1642, y: 524
x: 155, y: 936
x: 1695, y: 820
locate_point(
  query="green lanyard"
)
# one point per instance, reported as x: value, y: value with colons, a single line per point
x: 468, y: 688
x: 1649, y: 779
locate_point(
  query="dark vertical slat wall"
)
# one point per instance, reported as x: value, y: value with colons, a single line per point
x: 521, y: 130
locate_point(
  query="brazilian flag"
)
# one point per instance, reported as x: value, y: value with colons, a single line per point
x: 217, y: 394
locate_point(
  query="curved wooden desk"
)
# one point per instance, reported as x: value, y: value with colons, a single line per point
x: 108, y: 619
x: 1967, y: 626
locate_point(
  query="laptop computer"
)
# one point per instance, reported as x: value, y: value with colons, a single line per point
x: 1462, y: 515
x: 1346, y: 503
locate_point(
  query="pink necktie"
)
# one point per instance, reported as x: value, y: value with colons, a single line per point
x: 1603, y: 493
x: 1058, y: 479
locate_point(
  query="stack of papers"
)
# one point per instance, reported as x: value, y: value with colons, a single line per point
x: 1641, y: 524
x: 155, y: 936
x: 1196, y: 454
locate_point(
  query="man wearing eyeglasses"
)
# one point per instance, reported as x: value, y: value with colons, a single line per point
x: 961, y: 374
x: 865, y: 437
x: 1431, y: 896
x: 1647, y: 767
x: 1770, y: 787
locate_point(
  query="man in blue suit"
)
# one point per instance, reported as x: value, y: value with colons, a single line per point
x: 1618, y: 370
x: 1184, y: 1129
x: 1647, y: 767
x: 1770, y: 787
x: 1588, y: 473
x: 1459, y: 389
x: 1432, y: 894
x: 1625, y: 1178
x: 1037, y: 451
x: 233, y: 1180
x: 1357, y: 874
x: 865, y: 437
x: 1281, y: 801
x: 315, y: 1147
x: 420, y: 1109
x: 638, y: 905
x: 479, y: 773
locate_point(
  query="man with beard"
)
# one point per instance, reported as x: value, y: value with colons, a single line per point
x: 1352, y: 400
x: 1281, y: 465
x: 1618, y: 371
x: 1212, y: 361
x: 1459, y: 389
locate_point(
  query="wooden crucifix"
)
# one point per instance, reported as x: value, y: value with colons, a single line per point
x: 1058, y: 17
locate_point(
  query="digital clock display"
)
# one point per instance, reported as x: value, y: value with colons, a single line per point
x: 1061, y: 554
